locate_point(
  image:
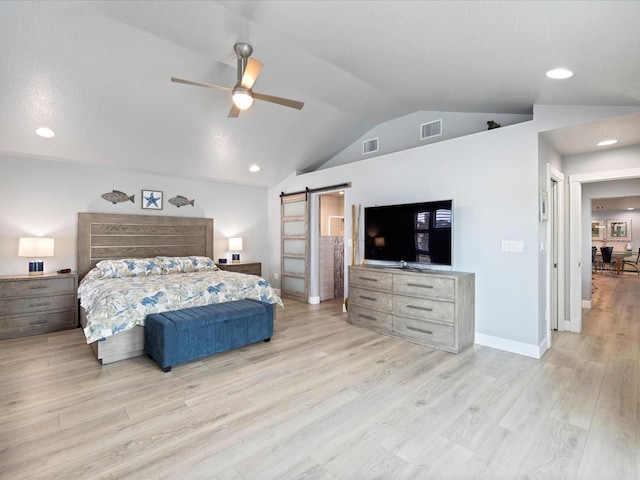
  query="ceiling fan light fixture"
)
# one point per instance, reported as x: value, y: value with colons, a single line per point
x: 242, y: 98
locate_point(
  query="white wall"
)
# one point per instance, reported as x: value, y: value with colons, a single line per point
x: 405, y: 132
x: 494, y: 179
x: 41, y: 198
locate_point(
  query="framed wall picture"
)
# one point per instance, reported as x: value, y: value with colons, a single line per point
x: 152, y: 199
x: 598, y: 228
x: 619, y: 230
x: 544, y: 206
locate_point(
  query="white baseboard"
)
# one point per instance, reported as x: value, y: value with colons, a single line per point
x: 586, y: 304
x: 314, y: 300
x: 526, y: 349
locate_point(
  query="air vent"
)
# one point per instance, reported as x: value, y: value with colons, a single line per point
x: 370, y: 146
x: 431, y: 129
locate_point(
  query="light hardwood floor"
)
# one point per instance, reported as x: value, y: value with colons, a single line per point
x: 327, y: 400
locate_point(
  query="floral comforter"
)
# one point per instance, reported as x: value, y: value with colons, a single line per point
x: 114, y: 305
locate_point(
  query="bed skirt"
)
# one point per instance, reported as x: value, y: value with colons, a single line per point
x: 127, y: 344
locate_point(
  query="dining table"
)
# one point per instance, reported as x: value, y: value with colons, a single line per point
x: 617, y: 257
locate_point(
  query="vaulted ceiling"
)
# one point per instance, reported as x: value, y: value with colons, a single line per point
x: 98, y: 74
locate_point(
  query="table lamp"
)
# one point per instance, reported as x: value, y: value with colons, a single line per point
x: 235, y: 246
x: 36, y: 248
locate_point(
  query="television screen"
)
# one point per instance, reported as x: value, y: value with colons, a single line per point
x: 413, y: 233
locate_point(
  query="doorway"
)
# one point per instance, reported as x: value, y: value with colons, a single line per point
x: 330, y: 254
x: 576, y: 235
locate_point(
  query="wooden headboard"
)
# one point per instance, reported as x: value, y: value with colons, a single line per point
x: 104, y: 236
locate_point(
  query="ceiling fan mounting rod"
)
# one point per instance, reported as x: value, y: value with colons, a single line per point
x: 243, y: 51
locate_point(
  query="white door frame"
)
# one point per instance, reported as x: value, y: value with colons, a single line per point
x: 556, y: 252
x: 314, y: 234
x: 575, y: 232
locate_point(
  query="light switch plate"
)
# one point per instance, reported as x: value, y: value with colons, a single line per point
x: 513, y: 246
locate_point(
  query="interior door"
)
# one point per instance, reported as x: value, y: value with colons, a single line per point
x: 553, y: 223
x: 295, y: 246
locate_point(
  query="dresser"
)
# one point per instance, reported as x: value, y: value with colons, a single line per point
x: 33, y: 305
x: 432, y: 308
x: 251, y: 268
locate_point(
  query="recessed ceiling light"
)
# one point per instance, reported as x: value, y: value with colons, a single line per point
x: 45, y: 132
x: 604, y: 143
x: 254, y: 168
x: 630, y: 208
x: 559, y: 73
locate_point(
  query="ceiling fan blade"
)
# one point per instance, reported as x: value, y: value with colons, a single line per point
x: 280, y: 101
x: 197, y: 84
x: 251, y: 72
x: 234, y: 112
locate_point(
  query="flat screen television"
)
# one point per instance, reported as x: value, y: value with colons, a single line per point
x: 412, y: 233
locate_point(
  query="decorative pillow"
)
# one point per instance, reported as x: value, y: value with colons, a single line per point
x: 129, y: 267
x: 186, y: 264
x: 93, y: 274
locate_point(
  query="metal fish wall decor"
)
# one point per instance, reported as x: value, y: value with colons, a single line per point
x: 117, y: 196
x: 180, y: 201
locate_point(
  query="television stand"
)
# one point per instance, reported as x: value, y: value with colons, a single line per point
x: 432, y: 308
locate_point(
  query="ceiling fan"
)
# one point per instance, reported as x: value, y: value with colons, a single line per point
x: 243, y: 95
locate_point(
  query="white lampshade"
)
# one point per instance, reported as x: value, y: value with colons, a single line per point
x: 35, y: 247
x: 235, y: 244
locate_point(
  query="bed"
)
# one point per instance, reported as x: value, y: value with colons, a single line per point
x: 169, y: 266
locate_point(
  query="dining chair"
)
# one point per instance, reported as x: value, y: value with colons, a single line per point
x: 607, y: 253
x: 634, y: 265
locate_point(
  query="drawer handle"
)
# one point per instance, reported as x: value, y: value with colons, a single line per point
x: 418, y: 285
x: 428, y: 332
x: 39, y: 304
x: 369, y: 317
x: 369, y: 279
x: 424, y: 309
x: 39, y: 287
x: 37, y: 322
x: 367, y: 298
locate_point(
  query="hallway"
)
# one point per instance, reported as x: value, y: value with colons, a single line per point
x: 603, y: 390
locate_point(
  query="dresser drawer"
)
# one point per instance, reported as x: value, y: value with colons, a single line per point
x: 247, y: 269
x: 37, y: 304
x: 37, y: 287
x: 19, y: 326
x: 371, y: 279
x: 422, y: 308
x: 427, y: 332
x: 425, y: 286
x: 371, y: 299
x: 370, y: 318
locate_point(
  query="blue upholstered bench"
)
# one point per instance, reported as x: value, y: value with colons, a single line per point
x: 182, y: 335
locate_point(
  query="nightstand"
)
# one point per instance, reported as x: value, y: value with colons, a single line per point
x: 251, y: 268
x: 32, y: 305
